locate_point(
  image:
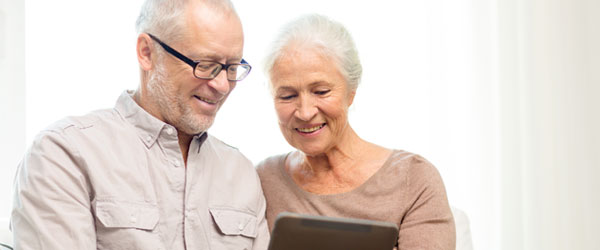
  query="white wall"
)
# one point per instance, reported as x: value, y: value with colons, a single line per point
x: 12, y: 98
x: 80, y: 55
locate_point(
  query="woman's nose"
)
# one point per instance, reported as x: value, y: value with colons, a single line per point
x: 306, y: 109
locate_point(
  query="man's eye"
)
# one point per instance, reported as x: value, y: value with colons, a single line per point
x: 205, y: 66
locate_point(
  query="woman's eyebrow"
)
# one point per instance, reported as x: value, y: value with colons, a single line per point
x: 318, y: 83
x: 284, y: 88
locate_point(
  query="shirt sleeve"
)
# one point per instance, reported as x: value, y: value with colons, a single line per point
x: 262, y: 238
x: 51, y: 206
x: 428, y: 223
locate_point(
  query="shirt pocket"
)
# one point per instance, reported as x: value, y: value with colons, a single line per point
x: 235, y: 228
x: 127, y: 225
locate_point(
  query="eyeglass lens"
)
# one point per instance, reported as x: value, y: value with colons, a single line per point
x: 235, y: 72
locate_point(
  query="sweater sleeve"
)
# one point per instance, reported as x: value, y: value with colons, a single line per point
x: 428, y: 222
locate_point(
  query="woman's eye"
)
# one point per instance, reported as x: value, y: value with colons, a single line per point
x: 322, y: 92
x: 287, y: 97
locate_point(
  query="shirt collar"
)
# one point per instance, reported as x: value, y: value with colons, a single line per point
x: 147, y: 126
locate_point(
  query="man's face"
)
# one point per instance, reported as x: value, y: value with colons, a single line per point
x: 184, y: 101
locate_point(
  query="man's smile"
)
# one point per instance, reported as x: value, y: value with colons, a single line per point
x: 206, y: 100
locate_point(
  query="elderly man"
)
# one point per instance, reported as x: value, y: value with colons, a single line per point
x: 145, y: 174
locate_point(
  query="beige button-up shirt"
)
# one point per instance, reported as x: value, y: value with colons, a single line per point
x: 115, y: 179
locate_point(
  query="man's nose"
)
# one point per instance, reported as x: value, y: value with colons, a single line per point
x: 220, y: 83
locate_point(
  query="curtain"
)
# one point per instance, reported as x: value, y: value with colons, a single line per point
x: 549, y: 114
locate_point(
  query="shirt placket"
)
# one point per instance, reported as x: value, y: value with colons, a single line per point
x: 175, y: 172
x: 194, y: 227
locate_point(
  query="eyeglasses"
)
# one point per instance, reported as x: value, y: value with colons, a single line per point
x: 210, y: 69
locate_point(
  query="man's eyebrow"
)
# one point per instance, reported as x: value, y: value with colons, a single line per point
x: 204, y: 56
x: 212, y: 57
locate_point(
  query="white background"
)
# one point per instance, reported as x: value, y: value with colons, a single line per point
x: 501, y: 95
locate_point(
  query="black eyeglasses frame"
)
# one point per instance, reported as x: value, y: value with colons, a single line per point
x: 194, y: 64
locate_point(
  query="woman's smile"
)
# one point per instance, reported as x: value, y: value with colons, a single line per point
x: 311, y: 129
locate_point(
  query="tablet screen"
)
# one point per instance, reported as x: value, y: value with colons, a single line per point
x: 309, y: 232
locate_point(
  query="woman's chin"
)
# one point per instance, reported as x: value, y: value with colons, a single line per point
x: 311, y: 150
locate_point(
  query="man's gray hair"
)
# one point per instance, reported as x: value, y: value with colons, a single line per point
x: 166, y: 19
x: 329, y: 37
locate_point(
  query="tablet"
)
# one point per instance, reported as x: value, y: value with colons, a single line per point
x: 309, y: 232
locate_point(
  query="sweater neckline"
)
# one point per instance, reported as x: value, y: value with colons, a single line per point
x: 361, y: 187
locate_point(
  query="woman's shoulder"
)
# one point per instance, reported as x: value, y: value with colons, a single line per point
x: 406, y: 158
x: 271, y: 164
x: 410, y: 165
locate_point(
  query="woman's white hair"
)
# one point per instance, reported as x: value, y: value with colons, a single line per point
x: 166, y: 19
x: 329, y: 37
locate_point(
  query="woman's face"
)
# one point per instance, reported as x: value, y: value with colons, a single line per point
x: 311, y: 100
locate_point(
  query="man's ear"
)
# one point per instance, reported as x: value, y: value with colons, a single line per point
x: 144, y: 51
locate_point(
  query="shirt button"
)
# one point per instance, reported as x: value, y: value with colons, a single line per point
x: 169, y: 130
x: 148, y: 138
x: 177, y: 163
x: 240, y: 226
x: 133, y: 220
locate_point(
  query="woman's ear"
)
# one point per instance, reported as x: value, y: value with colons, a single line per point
x: 351, y: 97
x: 144, y: 51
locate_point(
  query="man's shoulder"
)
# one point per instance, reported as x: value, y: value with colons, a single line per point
x: 222, y: 147
x: 92, y: 119
x: 227, y: 152
x: 99, y: 124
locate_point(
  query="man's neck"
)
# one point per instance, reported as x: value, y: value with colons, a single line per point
x: 183, y: 138
x: 184, y: 144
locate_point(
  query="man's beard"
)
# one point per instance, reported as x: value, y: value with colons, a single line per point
x: 172, y: 107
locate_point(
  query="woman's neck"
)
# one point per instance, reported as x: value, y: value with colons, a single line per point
x: 340, y: 169
x: 340, y: 157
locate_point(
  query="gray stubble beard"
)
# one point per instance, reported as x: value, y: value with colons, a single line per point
x: 172, y: 107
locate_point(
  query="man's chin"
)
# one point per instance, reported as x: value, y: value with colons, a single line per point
x: 197, y: 126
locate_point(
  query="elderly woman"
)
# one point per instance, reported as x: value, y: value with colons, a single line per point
x: 314, y: 71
